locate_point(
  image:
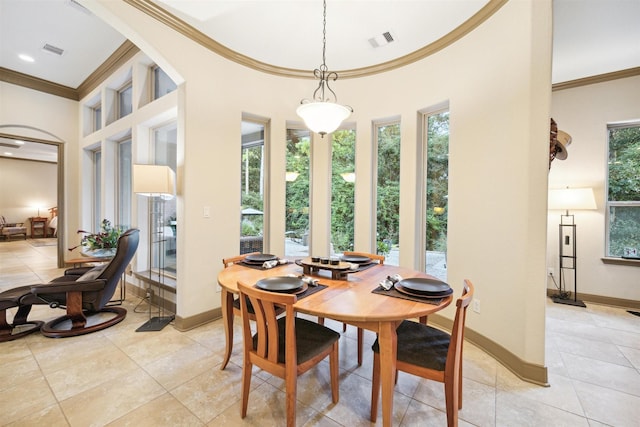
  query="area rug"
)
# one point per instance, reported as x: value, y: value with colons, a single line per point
x: 43, y: 242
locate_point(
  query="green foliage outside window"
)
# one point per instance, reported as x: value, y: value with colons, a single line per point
x: 297, y: 194
x: 624, y: 189
x: 342, y: 192
x: 437, y: 181
x: 388, y: 185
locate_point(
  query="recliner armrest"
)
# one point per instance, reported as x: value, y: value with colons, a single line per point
x: 57, y: 287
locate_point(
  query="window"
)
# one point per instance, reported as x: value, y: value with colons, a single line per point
x: 297, y: 192
x: 623, y: 190
x: 437, y: 192
x: 125, y: 98
x: 162, y: 84
x: 97, y: 189
x: 165, y: 144
x: 96, y: 112
x: 342, y: 189
x: 252, y: 184
x: 388, y: 192
x: 124, y: 193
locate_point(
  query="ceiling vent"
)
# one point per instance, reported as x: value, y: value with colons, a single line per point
x: 381, y: 40
x: 52, y: 49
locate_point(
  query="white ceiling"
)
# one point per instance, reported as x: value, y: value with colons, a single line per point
x: 591, y: 37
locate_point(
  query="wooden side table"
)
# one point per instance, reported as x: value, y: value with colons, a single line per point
x: 38, y: 226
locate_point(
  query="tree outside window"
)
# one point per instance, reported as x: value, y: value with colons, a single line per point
x: 623, y: 199
x: 342, y: 189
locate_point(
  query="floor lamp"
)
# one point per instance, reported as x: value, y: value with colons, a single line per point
x: 157, y: 183
x: 569, y: 199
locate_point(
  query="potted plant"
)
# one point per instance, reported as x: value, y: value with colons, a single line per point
x: 102, y: 244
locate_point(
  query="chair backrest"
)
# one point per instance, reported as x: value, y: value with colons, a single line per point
x: 232, y: 260
x: 375, y: 257
x: 454, y: 354
x: 127, y: 246
x: 266, y: 306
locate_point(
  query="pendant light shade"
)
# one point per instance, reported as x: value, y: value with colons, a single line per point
x: 323, y: 114
x: 323, y: 117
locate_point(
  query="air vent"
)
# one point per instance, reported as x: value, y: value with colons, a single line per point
x: 52, y: 49
x: 382, y: 39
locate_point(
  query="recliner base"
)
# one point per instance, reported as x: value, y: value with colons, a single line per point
x: 49, y: 328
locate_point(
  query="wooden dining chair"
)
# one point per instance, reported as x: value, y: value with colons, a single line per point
x: 285, y: 347
x: 236, y: 306
x: 360, y: 333
x: 432, y: 354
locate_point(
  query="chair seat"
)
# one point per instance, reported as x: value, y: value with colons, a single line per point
x: 311, y: 339
x: 421, y: 345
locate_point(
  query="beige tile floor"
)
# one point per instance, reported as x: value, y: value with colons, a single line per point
x: 119, y: 377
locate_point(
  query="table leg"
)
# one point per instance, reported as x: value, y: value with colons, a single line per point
x: 387, y: 338
x: 227, y: 320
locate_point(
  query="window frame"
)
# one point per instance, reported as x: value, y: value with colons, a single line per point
x: 609, y: 204
x: 127, y: 86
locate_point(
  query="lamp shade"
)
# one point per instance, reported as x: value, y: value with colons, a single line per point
x: 323, y: 117
x: 572, y: 199
x: 154, y: 180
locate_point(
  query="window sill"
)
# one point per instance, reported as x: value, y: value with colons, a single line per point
x: 621, y: 261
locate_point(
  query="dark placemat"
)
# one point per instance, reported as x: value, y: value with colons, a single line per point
x: 258, y: 266
x: 363, y: 267
x: 311, y: 290
x: 393, y: 292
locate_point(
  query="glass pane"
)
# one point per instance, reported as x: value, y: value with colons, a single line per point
x: 624, y: 164
x: 165, y: 153
x: 125, y: 194
x: 388, y: 198
x: 624, y: 231
x: 437, y: 193
x: 97, y: 118
x: 162, y: 84
x: 125, y: 97
x: 342, y: 189
x: 97, y: 190
x: 252, y: 184
x: 297, y: 193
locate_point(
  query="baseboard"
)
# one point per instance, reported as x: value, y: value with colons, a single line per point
x: 599, y: 299
x: 530, y: 372
x: 186, y: 323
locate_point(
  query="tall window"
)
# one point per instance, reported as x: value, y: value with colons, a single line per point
x: 252, y: 182
x: 165, y: 140
x: 124, y: 194
x: 125, y: 100
x: 162, y: 84
x: 437, y: 186
x: 97, y: 117
x: 342, y: 189
x: 388, y: 192
x: 623, y: 191
x: 97, y: 189
x: 297, y: 192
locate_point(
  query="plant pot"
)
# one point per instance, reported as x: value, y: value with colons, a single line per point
x: 99, y: 253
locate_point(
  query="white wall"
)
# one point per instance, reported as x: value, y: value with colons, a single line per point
x: 497, y: 80
x: 29, y: 113
x: 584, y: 112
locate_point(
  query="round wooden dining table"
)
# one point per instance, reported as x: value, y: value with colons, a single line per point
x: 349, y: 300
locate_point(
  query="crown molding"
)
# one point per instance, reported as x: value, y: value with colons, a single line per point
x: 177, y: 24
x: 121, y: 55
x: 600, y: 78
x: 38, y: 84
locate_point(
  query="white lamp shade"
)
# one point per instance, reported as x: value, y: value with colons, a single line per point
x: 291, y: 176
x: 323, y: 117
x: 154, y: 180
x: 349, y: 176
x: 572, y: 199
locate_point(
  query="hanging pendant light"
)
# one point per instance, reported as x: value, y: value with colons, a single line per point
x: 323, y: 114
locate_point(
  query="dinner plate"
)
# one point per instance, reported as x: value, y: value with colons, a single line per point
x: 409, y: 292
x: 424, y: 286
x: 259, y: 258
x: 356, y: 259
x: 280, y: 284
